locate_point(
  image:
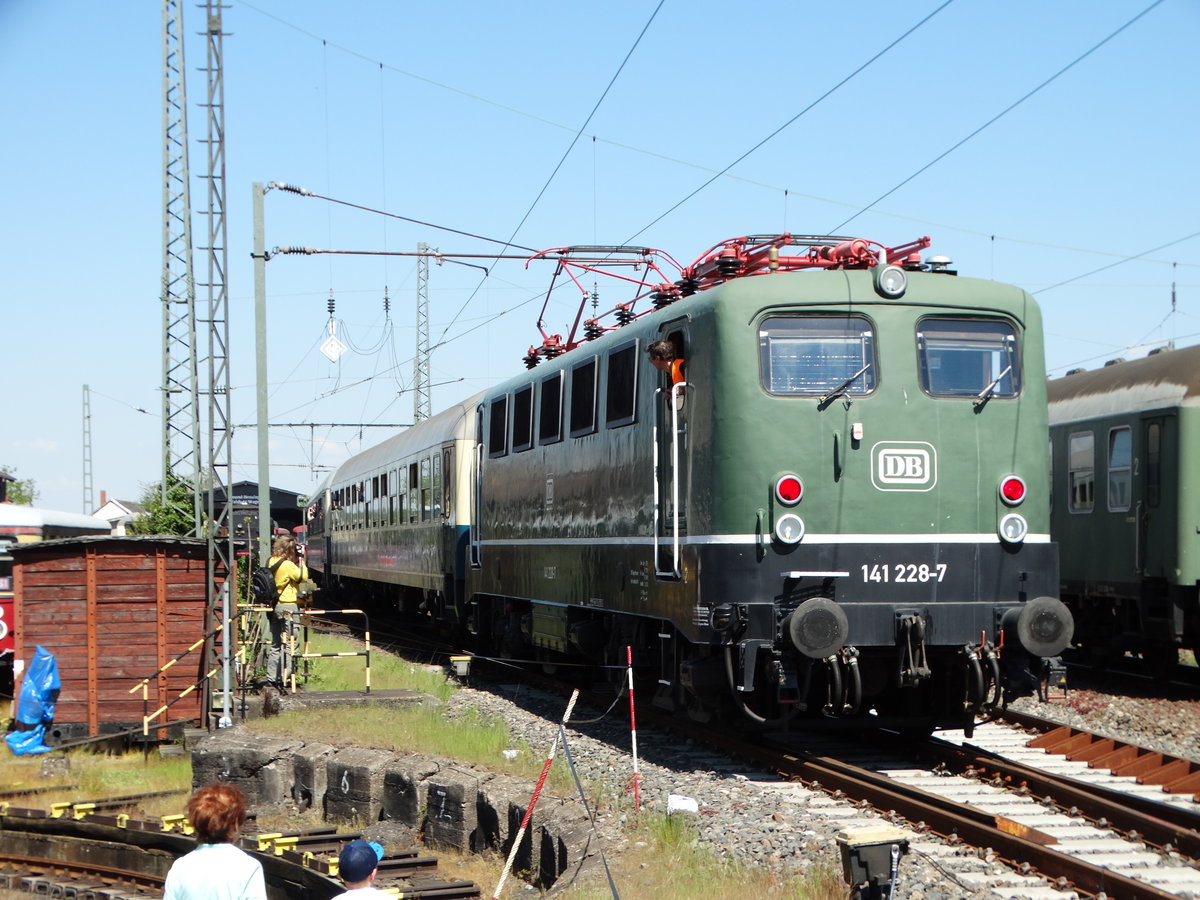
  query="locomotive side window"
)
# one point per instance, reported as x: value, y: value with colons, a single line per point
x: 522, y: 436
x: 497, y: 428
x: 1120, y: 468
x: 814, y: 355
x: 1081, y: 472
x: 968, y: 358
x: 622, y: 386
x: 550, y: 420
x: 583, y: 399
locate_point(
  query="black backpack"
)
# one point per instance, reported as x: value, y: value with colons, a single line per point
x: 262, y: 585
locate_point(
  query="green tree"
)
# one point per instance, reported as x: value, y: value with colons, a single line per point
x: 23, y: 490
x: 173, y: 517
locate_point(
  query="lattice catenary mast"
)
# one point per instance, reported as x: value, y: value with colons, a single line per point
x: 180, y: 401
x: 88, y: 509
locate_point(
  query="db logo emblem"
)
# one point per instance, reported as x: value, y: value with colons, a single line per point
x: 903, y: 466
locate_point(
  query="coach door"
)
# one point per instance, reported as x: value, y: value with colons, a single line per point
x: 477, y: 490
x: 1157, y: 512
x: 670, y: 462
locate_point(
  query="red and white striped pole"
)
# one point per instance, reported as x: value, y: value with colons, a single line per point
x: 637, y: 787
x: 512, y: 855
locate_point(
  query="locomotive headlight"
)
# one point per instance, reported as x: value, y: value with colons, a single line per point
x: 1013, y: 528
x: 1012, y: 490
x: 789, y: 528
x: 890, y: 281
x: 789, y: 489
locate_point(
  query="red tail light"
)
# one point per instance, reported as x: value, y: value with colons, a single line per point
x: 788, y: 490
x: 1012, y: 490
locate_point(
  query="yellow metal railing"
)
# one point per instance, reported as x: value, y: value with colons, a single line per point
x: 365, y: 653
x: 144, y: 684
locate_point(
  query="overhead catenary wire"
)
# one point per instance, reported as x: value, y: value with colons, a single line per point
x: 787, y: 191
x: 1119, y: 262
x: 836, y: 229
x: 789, y: 122
x: 562, y: 159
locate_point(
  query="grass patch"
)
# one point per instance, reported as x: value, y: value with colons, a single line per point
x: 470, y: 738
x: 666, y: 860
x: 388, y: 672
x: 662, y: 859
x: 93, y: 776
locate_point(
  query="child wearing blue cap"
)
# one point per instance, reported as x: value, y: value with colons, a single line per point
x: 357, y: 864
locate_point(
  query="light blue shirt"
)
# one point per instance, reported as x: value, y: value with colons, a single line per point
x: 216, y: 872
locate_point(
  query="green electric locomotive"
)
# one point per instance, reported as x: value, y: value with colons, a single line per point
x: 1126, y: 504
x: 830, y: 506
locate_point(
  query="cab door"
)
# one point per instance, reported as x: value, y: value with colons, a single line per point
x: 476, y: 504
x: 671, y: 452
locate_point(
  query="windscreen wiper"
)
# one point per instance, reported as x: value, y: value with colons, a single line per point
x: 986, y: 394
x: 841, y: 388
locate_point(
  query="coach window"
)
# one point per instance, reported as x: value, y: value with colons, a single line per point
x: 968, y: 358
x: 1081, y: 472
x: 550, y: 418
x: 426, y: 490
x: 414, y: 495
x: 622, y: 386
x: 583, y: 398
x: 1154, y: 464
x: 498, y: 427
x: 522, y: 435
x: 1120, y: 468
x: 435, y: 485
x: 446, y: 480
x: 815, y: 355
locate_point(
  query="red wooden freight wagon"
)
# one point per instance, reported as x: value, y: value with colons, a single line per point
x: 114, y: 611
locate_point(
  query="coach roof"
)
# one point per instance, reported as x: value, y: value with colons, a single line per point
x: 1163, y: 380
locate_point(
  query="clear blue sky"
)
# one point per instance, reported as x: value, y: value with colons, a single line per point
x: 458, y: 116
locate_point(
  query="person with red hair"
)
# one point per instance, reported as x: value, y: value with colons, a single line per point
x: 217, y: 869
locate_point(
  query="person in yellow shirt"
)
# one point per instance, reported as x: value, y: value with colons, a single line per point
x: 290, y: 571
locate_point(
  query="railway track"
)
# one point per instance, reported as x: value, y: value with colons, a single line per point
x: 1063, y: 829
x: 1052, y: 820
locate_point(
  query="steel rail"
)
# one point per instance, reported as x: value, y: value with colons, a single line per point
x: 1167, y: 827
x: 1026, y: 849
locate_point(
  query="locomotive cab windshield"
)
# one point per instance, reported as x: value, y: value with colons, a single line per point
x: 968, y: 358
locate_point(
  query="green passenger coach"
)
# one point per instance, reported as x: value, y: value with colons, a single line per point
x: 835, y: 508
x: 1125, y: 468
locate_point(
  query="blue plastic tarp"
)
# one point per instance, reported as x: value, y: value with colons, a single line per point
x: 35, y: 705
